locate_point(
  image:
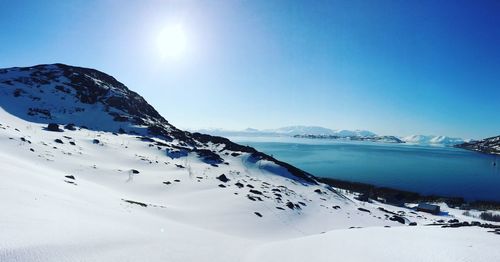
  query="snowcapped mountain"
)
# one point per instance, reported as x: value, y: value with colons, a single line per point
x: 432, y: 140
x: 91, y: 172
x: 317, y: 130
x: 91, y: 99
x: 289, y: 131
x: 355, y: 133
x: 300, y: 130
x: 488, y: 145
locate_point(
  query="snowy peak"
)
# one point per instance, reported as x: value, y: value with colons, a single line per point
x: 300, y: 130
x: 91, y: 99
x: 355, y: 133
x: 62, y: 94
x: 317, y: 130
x: 432, y: 140
x: 290, y: 131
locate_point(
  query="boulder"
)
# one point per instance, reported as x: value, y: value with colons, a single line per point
x: 223, y: 178
x: 53, y: 127
x: 70, y: 127
x: 397, y: 219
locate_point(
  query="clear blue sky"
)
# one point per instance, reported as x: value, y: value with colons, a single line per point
x: 393, y: 67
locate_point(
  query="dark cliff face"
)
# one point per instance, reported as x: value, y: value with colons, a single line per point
x: 489, y: 145
x: 86, y: 97
x: 62, y: 93
x: 89, y: 91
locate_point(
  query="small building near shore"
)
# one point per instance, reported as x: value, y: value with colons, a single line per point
x: 429, y: 208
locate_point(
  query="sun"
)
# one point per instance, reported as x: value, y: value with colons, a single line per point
x: 172, y: 42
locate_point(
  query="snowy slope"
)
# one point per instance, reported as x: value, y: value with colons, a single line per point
x: 432, y: 140
x: 489, y: 145
x: 158, y: 194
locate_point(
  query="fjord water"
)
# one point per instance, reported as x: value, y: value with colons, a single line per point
x: 443, y: 171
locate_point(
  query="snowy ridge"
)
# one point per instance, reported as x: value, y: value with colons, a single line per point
x: 488, y: 145
x: 162, y: 194
x: 289, y: 131
x: 432, y: 140
x: 89, y: 98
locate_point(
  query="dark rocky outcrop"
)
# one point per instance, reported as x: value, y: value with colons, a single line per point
x: 254, y: 191
x: 397, y: 219
x: 53, y: 127
x: 364, y: 210
x: 70, y: 127
x: 489, y: 145
x: 223, y: 178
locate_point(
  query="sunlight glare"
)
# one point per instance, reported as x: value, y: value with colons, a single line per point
x: 172, y: 42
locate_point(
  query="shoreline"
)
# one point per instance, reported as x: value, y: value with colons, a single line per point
x: 397, y: 197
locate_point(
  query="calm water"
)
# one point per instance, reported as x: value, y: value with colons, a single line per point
x: 424, y: 169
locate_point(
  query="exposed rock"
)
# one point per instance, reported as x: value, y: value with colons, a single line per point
x: 257, y: 192
x: 397, y: 219
x: 70, y: 127
x: 223, y: 178
x: 53, y: 127
x: 136, y: 203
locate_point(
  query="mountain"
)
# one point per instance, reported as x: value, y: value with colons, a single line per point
x: 289, y: 131
x: 317, y: 130
x: 91, y: 172
x: 384, y: 139
x: 300, y: 130
x: 91, y: 99
x: 432, y: 140
x: 355, y: 133
x: 488, y: 145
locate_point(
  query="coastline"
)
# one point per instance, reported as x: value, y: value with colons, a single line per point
x: 398, y: 197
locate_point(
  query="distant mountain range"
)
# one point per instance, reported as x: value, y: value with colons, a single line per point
x: 318, y: 132
x: 384, y: 139
x: 433, y: 140
x: 288, y: 131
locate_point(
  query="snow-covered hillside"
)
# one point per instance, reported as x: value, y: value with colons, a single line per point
x: 432, y: 140
x: 122, y: 184
x: 489, y: 145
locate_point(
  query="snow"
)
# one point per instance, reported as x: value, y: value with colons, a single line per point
x: 385, y: 244
x: 49, y: 219
x: 175, y: 208
x: 433, y: 140
x: 289, y: 131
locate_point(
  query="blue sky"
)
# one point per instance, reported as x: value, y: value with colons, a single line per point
x: 393, y: 67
